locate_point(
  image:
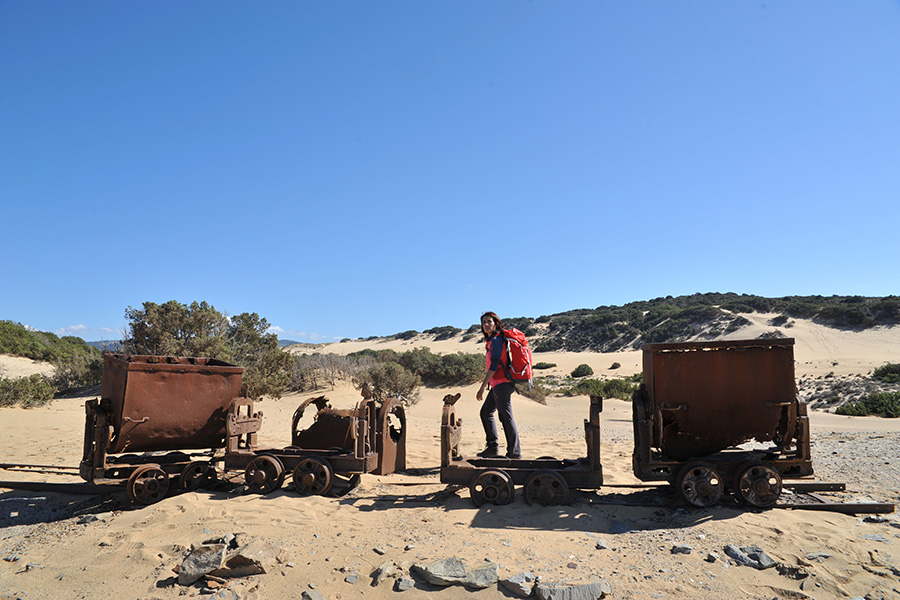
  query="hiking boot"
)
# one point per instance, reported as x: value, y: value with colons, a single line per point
x: 513, y: 455
x: 489, y: 452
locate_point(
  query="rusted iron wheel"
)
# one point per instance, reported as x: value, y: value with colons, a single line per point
x: 198, y: 474
x: 493, y: 486
x: 546, y: 488
x: 264, y: 474
x: 148, y: 484
x: 700, y: 484
x: 313, y: 476
x: 758, y: 485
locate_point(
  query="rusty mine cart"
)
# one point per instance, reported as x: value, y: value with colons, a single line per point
x: 544, y: 480
x: 701, y: 403
x: 153, y: 409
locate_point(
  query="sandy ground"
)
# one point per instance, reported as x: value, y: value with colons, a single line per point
x: 128, y: 552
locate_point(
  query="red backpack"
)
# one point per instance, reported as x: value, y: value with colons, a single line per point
x: 519, y: 368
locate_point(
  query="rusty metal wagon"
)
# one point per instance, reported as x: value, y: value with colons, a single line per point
x: 154, y: 410
x: 719, y: 417
x: 546, y: 481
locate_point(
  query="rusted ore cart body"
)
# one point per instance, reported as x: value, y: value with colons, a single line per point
x: 721, y: 417
x: 153, y: 409
x: 545, y: 480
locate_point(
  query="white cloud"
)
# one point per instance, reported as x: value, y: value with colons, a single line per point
x: 72, y: 330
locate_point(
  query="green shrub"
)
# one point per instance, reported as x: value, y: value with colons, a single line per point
x: 538, y: 392
x: 389, y: 380
x: 544, y: 365
x: 406, y: 335
x: 609, y: 388
x: 443, y: 333
x: 889, y: 373
x: 582, y: 370
x: 882, y: 404
x: 615, y: 365
x: 27, y: 392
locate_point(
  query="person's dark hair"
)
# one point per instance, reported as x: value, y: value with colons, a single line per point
x: 496, y: 319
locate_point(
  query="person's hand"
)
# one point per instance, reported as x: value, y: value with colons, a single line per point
x: 479, y: 393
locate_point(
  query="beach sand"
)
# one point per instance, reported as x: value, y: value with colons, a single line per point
x: 129, y: 551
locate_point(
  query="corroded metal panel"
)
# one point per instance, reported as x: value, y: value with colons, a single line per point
x: 166, y: 403
x: 710, y: 396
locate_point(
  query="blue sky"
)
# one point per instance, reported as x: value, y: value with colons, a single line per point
x: 348, y: 169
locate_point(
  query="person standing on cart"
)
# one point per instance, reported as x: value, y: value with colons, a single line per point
x: 499, y: 397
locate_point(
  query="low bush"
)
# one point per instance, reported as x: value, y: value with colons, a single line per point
x: 389, y: 380
x: 889, y: 373
x: 544, y: 365
x: 27, y: 392
x: 615, y: 365
x: 609, y: 388
x: 582, y: 370
x: 885, y: 404
x: 538, y: 392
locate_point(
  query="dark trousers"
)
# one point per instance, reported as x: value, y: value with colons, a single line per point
x: 499, y: 400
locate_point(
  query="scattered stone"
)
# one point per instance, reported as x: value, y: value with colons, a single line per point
x: 872, y: 537
x: 379, y: 551
x: 584, y: 591
x: 750, y: 556
x: 520, y: 585
x: 10, y: 558
x: 712, y: 557
x: 681, y: 549
x: 409, y: 547
x: 351, y: 578
x: 445, y: 572
x: 384, y: 570
x: 226, y: 594
x: 817, y: 556
x: 312, y: 595
x: 572, y: 565
x: 201, y: 560
x: 795, y: 573
x: 257, y: 557
x: 403, y: 584
x: 104, y: 544
x: 601, y: 545
x: 85, y: 519
x: 483, y: 576
x: 453, y: 571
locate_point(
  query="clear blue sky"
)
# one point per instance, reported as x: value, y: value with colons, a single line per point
x: 349, y: 169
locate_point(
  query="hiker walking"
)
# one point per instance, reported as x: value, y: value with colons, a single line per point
x: 499, y: 398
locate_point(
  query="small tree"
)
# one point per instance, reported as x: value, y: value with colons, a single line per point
x: 582, y: 370
x: 389, y: 380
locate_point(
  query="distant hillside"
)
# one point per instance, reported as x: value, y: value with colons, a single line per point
x: 677, y: 319
x: 18, y: 340
x: 107, y: 345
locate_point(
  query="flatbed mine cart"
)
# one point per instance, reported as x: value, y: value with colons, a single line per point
x: 544, y: 480
x: 330, y: 453
x: 150, y: 411
x: 721, y: 417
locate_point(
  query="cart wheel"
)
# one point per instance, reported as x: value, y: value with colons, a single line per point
x: 546, y: 488
x: 197, y: 475
x: 758, y: 485
x: 313, y: 476
x: 148, y: 484
x: 264, y: 474
x: 492, y: 486
x: 700, y: 484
